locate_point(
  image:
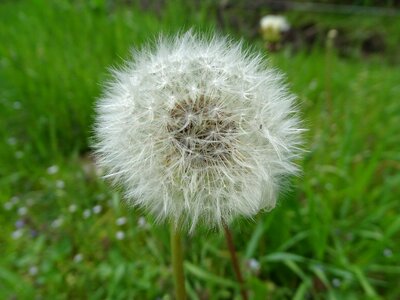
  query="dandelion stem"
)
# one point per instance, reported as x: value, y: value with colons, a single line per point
x: 177, y: 263
x: 235, y: 261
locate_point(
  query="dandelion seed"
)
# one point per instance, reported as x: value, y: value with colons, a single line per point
x: 97, y: 209
x: 120, y: 235
x: 121, y: 221
x: 206, y: 139
x: 52, y: 170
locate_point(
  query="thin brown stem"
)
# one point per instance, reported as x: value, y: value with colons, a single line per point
x: 235, y: 261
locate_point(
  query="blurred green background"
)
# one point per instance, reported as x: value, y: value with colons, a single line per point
x: 64, y: 233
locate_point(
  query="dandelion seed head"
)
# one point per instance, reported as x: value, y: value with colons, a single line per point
x: 198, y: 130
x: 274, y: 22
x: 272, y: 27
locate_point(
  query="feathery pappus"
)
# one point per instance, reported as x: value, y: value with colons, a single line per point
x: 198, y: 130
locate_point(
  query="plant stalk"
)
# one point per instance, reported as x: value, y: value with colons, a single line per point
x: 177, y: 263
x: 235, y: 261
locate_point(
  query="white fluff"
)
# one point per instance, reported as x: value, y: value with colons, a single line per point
x: 197, y: 130
x: 275, y: 23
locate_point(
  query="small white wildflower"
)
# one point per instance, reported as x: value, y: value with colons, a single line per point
x: 19, y: 154
x: 254, y: 265
x: 19, y: 223
x: 387, y: 252
x: 17, y: 105
x: 12, y: 141
x: 8, y: 205
x: 100, y: 197
x: 87, y: 213
x: 97, y: 209
x: 60, y: 184
x: 57, y: 223
x: 272, y: 27
x: 313, y: 85
x: 22, y: 211
x: 197, y: 130
x: 17, y: 234
x: 336, y: 282
x: 14, y: 200
x: 142, y: 222
x: 120, y: 235
x: 332, y: 34
x: 121, y: 221
x: 78, y: 258
x: 52, y: 170
x: 72, y: 208
x: 33, y: 270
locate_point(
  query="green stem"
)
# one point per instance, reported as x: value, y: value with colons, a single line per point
x: 177, y: 263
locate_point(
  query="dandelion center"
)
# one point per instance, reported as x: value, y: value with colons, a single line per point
x: 202, y: 131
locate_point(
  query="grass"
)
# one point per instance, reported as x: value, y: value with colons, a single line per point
x: 333, y: 235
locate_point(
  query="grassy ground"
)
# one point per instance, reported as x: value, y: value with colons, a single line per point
x: 64, y: 233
